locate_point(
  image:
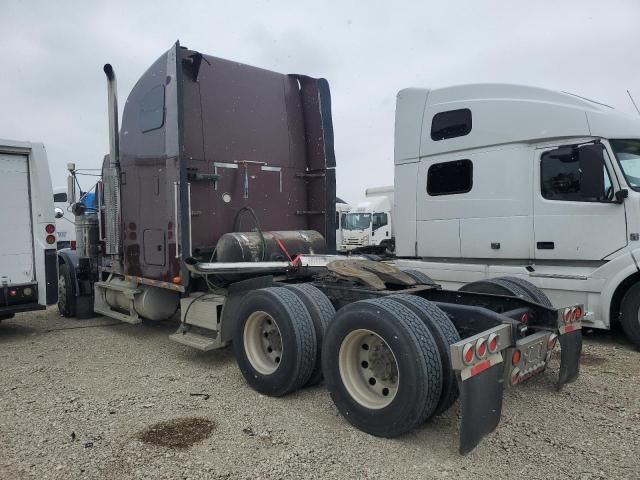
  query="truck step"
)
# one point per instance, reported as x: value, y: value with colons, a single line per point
x: 195, y: 340
x: 117, y: 288
x: 107, y: 312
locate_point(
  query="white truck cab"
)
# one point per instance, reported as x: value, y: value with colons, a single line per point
x: 496, y: 179
x: 28, y: 260
x: 370, y: 222
x: 342, y: 208
x: 65, y: 220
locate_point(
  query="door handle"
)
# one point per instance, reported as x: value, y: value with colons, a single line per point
x: 546, y: 245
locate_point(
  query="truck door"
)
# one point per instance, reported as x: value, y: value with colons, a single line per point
x: 16, y: 243
x: 576, y: 216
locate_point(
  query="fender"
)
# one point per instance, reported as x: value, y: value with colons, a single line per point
x: 70, y: 258
x: 630, y: 268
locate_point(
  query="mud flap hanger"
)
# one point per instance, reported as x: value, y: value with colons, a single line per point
x: 480, y: 372
x: 481, y: 381
x: 570, y: 330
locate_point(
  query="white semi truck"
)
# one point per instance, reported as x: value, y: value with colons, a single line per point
x: 370, y: 223
x: 28, y: 262
x: 342, y: 209
x: 65, y: 227
x: 494, y: 180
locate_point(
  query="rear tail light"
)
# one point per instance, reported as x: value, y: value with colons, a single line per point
x: 492, y: 344
x: 524, y: 318
x: 551, y: 344
x: 51, y: 239
x: 515, y: 357
x: 50, y: 228
x: 13, y: 292
x: 73, y: 244
x: 481, y: 348
x: 467, y: 353
x: 577, y: 313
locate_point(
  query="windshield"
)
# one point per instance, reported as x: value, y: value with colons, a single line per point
x: 628, y: 154
x: 357, y: 221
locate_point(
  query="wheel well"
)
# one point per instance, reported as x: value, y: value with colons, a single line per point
x: 618, y: 295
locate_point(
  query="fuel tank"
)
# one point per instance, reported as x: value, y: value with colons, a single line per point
x: 268, y: 246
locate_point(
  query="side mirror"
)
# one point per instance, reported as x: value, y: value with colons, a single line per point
x: 58, y: 212
x: 621, y: 195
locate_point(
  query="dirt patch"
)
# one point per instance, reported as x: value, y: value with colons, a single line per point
x: 178, y: 433
x: 591, y: 360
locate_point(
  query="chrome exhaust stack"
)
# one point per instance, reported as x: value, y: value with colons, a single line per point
x: 114, y: 141
x: 111, y: 178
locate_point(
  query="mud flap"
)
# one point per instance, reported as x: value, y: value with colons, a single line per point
x: 570, y: 350
x: 481, y: 399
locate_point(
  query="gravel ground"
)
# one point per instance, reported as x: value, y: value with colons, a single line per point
x: 100, y: 399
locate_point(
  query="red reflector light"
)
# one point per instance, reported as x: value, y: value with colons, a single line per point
x: 515, y: 357
x: 481, y: 348
x: 51, y: 239
x: 577, y: 313
x: 467, y: 353
x: 492, y: 344
x: 50, y: 228
x: 13, y: 293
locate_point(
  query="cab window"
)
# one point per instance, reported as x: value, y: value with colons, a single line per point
x: 575, y: 174
x: 379, y: 220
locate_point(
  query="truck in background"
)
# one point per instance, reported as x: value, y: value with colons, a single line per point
x: 370, y: 223
x: 342, y: 208
x: 65, y: 226
x: 495, y: 180
x: 28, y: 262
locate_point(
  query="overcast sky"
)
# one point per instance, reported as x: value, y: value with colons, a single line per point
x: 53, y: 90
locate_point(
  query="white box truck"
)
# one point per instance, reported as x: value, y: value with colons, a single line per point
x: 494, y: 180
x: 370, y: 223
x: 28, y: 261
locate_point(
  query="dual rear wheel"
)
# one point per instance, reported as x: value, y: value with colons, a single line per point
x: 385, y: 361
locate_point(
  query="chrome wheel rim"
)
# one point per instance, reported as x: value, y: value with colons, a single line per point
x: 262, y: 342
x: 369, y: 369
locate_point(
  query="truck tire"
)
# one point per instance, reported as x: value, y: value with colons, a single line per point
x: 630, y: 314
x: 534, y: 292
x: 496, y: 286
x: 66, y: 292
x: 274, y: 341
x: 322, y: 311
x: 382, y: 367
x: 445, y: 334
x: 419, y: 277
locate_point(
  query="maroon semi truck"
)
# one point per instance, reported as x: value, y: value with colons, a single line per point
x: 216, y: 205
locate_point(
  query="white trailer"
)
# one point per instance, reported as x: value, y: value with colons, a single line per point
x: 370, y: 223
x: 495, y: 180
x: 28, y: 261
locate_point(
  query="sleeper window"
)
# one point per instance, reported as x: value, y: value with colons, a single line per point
x: 451, y: 124
x: 152, y: 109
x: 449, y: 178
